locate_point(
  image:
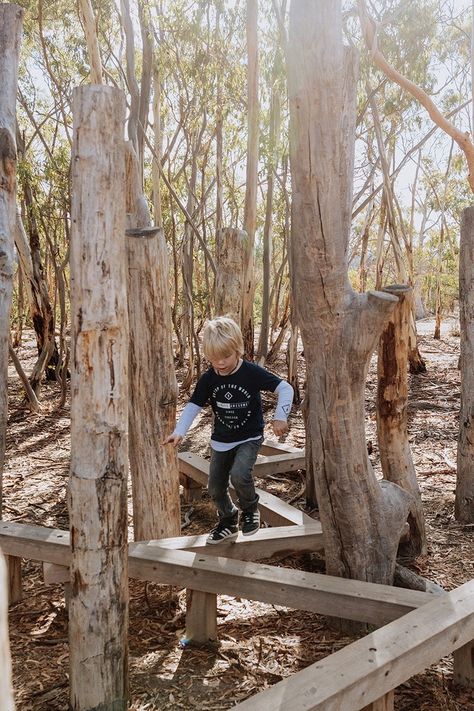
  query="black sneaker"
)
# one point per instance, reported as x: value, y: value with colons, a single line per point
x: 223, y: 531
x: 250, y: 522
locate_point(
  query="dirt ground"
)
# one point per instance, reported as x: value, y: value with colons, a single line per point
x: 259, y: 644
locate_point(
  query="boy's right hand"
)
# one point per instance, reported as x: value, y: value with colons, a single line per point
x: 173, y: 439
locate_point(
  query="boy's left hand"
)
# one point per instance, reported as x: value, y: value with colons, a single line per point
x: 280, y: 427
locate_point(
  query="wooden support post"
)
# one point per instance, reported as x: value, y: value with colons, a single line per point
x: 6, y: 693
x: 15, y: 590
x: 231, y: 250
x: 98, y: 608
x: 385, y: 703
x: 464, y: 665
x: 192, y: 491
x: 201, y: 617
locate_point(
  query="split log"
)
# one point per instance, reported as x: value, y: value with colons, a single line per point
x: 392, y: 395
x: 98, y: 608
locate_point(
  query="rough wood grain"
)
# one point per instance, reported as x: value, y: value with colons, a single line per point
x: 153, y: 386
x: 99, y: 404
x: 366, y: 670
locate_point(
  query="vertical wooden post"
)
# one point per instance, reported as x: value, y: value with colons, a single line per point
x: 6, y: 693
x: 385, y: 703
x: 99, y: 404
x: 464, y: 503
x: 10, y: 36
x: 201, y: 617
x: 464, y: 665
x: 15, y: 592
x: 152, y: 379
x: 231, y: 255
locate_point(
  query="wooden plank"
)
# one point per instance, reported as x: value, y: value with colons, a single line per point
x: 270, y: 447
x: 39, y: 543
x: 266, y: 543
x: 201, y: 617
x: 327, y: 595
x: 273, y: 510
x: 366, y: 670
x: 464, y: 665
x: 279, y: 463
x: 324, y: 594
x: 53, y: 573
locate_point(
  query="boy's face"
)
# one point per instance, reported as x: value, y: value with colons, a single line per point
x: 225, y: 364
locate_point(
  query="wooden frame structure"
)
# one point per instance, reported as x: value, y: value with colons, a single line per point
x: 416, y: 629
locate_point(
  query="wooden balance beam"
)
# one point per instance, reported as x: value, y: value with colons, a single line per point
x: 327, y: 595
x: 365, y: 672
x: 274, y: 511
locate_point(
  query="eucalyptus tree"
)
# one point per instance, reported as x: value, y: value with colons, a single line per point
x: 10, y: 37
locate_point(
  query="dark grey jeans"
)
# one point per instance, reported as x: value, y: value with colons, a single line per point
x: 236, y: 465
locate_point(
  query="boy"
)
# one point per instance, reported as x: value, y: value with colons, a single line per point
x: 232, y: 386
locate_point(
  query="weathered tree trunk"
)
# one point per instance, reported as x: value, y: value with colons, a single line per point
x: 392, y: 396
x: 464, y: 504
x: 250, y: 210
x: 232, y: 248
x: 153, y: 387
x: 6, y: 691
x: 362, y: 521
x: 10, y: 37
x: 99, y: 405
x: 41, y: 310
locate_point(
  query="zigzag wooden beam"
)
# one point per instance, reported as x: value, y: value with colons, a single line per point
x: 370, y: 668
x: 273, y: 510
x: 351, y: 599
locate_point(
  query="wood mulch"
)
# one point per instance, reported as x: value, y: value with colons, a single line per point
x: 258, y: 644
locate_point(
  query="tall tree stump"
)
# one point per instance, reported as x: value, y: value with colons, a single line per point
x: 153, y: 386
x: 231, y: 255
x: 464, y: 503
x: 10, y: 37
x: 392, y: 421
x: 99, y: 405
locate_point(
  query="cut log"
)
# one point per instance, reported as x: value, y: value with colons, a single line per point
x: 98, y: 608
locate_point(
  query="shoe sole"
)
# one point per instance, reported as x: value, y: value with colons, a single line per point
x: 250, y: 533
x: 223, y: 540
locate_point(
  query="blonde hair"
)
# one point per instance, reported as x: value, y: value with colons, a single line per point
x: 221, y: 337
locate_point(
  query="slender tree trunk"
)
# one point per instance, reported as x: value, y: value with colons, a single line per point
x: 10, y: 38
x: 268, y: 226
x: 250, y: 210
x: 362, y: 520
x: 41, y: 309
x: 98, y: 608
x: 464, y: 504
x: 153, y: 387
x: 392, y: 427
x: 6, y: 691
x: 232, y: 247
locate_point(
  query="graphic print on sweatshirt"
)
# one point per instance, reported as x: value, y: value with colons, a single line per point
x: 232, y: 405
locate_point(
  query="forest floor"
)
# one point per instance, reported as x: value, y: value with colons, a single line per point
x: 259, y: 644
